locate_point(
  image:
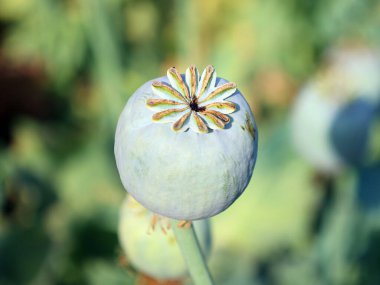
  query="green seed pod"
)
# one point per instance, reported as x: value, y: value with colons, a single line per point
x: 152, y: 249
x: 186, y: 145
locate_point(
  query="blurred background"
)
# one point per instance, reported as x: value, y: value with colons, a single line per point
x: 310, y: 70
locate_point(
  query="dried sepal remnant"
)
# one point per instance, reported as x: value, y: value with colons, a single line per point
x: 184, y: 224
x: 163, y: 222
x: 194, y: 103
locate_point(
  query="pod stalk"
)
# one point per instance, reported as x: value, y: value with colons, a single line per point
x: 192, y: 253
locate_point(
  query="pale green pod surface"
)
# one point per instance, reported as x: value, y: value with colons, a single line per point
x: 154, y: 252
x: 186, y: 145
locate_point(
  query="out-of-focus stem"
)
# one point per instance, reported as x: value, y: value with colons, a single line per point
x: 107, y: 56
x: 187, y: 32
x: 192, y: 253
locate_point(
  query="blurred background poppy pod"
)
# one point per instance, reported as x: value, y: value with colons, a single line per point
x: 334, y: 113
x: 352, y: 129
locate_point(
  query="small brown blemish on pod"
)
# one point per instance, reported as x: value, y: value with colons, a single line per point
x: 249, y: 126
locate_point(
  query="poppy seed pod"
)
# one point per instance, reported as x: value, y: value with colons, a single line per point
x: 186, y: 145
x: 154, y: 251
x: 333, y: 114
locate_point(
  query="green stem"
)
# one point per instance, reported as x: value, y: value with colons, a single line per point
x: 192, y: 253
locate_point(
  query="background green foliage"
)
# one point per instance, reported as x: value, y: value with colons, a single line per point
x: 67, y: 67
